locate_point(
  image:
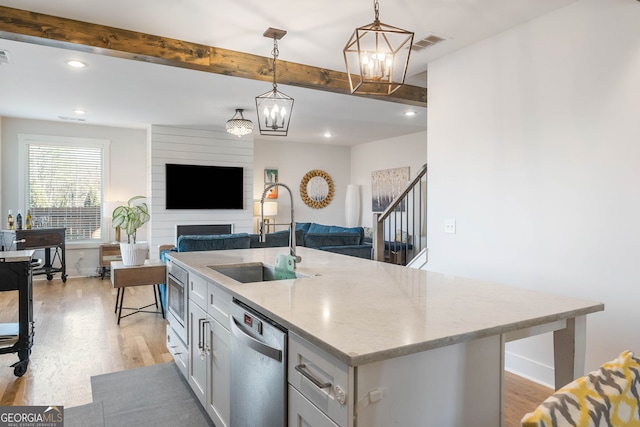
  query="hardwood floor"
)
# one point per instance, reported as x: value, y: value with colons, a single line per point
x: 76, y: 337
x: 521, y: 396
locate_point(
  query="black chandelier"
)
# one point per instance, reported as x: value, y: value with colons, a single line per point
x: 274, y: 107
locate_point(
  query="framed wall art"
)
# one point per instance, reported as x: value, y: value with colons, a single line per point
x: 386, y: 184
x: 270, y: 177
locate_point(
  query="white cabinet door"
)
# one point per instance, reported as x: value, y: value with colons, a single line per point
x: 209, y: 352
x: 198, y: 359
x: 219, y: 403
x: 209, y: 367
x: 303, y: 413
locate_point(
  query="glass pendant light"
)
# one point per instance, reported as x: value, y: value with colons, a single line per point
x: 239, y: 126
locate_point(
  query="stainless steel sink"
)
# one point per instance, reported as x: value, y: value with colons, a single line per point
x: 255, y: 272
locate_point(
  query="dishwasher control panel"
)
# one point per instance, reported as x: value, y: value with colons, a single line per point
x: 253, y: 323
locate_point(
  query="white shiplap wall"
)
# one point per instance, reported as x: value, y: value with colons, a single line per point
x: 197, y: 147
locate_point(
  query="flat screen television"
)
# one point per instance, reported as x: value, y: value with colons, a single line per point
x: 204, y: 187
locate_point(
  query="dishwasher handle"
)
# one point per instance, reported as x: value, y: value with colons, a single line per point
x: 253, y: 343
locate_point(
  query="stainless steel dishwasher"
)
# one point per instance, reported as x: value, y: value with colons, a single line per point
x: 258, y: 369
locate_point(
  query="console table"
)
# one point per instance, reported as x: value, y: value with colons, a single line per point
x: 52, y: 240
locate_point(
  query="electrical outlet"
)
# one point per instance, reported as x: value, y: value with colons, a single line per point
x: 450, y: 226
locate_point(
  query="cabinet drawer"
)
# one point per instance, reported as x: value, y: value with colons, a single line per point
x: 321, y: 378
x: 219, y: 303
x: 198, y: 290
x: 42, y: 238
x: 178, y: 350
x: 302, y: 413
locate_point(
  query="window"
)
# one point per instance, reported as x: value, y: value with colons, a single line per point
x: 64, y: 184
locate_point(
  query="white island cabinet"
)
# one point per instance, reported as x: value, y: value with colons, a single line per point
x: 448, y: 386
x: 209, y: 353
x: 376, y: 344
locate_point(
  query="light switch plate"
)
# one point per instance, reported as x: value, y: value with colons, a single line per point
x: 450, y: 226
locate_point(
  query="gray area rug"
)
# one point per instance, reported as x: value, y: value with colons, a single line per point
x: 153, y: 396
x: 89, y: 415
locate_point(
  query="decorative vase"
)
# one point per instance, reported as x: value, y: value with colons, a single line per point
x: 134, y: 253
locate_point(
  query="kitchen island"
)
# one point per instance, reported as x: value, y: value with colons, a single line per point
x: 419, y: 348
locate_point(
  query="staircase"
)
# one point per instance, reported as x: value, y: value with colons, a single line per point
x: 400, y: 232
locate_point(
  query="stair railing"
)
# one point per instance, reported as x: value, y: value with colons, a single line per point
x: 400, y: 232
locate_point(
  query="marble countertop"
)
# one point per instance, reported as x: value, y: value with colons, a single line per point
x: 364, y: 311
x: 16, y: 256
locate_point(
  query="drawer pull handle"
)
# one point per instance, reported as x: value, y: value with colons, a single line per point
x: 301, y: 368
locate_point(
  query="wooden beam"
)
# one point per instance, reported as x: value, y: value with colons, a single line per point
x: 47, y: 30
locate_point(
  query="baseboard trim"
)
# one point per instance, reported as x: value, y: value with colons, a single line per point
x: 529, y: 369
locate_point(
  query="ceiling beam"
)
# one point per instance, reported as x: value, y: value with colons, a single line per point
x: 47, y: 30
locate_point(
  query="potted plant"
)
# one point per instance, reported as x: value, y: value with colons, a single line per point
x: 129, y: 218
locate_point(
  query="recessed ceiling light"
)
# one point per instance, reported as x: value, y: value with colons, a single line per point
x: 410, y: 113
x: 76, y: 64
x: 327, y: 134
x: 79, y: 111
x: 72, y: 119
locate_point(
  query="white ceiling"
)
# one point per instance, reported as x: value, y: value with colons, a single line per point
x: 117, y: 92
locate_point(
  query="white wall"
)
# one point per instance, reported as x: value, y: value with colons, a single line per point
x: 198, y: 147
x: 533, y: 150
x: 409, y: 150
x: 128, y: 172
x: 293, y: 160
x: 136, y: 168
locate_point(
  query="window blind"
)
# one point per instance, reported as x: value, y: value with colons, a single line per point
x: 65, y: 188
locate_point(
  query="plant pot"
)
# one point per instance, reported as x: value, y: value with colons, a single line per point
x: 134, y: 253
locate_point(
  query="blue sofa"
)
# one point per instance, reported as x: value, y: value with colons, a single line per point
x: 342, y: 240
x: 332, y: 238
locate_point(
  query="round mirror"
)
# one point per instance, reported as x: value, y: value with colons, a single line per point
x: 316, y: 189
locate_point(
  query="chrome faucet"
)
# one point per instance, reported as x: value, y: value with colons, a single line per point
x: 292, y: 224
